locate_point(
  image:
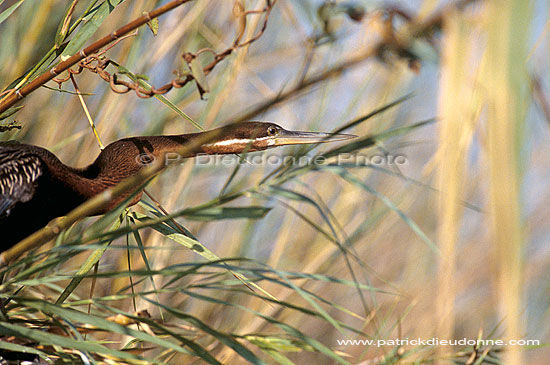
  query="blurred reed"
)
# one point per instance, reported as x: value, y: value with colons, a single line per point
x: 506, y: 87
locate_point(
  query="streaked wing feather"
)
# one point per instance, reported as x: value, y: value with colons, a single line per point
x: 19, y: 171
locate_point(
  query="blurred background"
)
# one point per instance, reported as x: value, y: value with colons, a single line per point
x: 451, y: 242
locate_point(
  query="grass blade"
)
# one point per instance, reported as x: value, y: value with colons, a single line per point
x: 9, y: 11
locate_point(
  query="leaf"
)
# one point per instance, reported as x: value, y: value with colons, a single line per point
x: 292, y: 195
x: 199, y: 76
x: 196, y: 348
x: 142, y: 77
x: 307, y: 297
x: 220, y: 336
x: 63, y: 28
x: 90, y: 27
x: 198, y: 248
x: 218, y: 213
x: 374, y: 139
x: 74, y: 316
x: 20, y: 348
x: 153, y: 24
x: 277, y: 343
x: 85, y: 268
x: 277, y: 356
x: 123, y: 70
x: 10, y: 111
x: 375, y: 112
x: 46, y: 338
x: 66, y: 91
x: 6, y: 13
x: 97, y: 227
x: 175, y: 108
x: 412, y: 224
x: 357, y: 121
x: 318, y: 346
x: 141, y: 247
x: 45, y: 62
x: 188, y: 242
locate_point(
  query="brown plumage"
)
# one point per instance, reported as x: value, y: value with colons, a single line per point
x: 35, y: 186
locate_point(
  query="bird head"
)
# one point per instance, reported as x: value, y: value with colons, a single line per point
x: 258, y: 136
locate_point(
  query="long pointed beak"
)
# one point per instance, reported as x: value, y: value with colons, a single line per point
x: 295, y: 137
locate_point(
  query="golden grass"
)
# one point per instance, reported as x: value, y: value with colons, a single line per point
x: 506, y: 78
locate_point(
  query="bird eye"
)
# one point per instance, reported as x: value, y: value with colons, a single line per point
x: 271, y: 131
x: 145, y: 158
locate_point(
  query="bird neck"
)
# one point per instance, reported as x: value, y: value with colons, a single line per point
x: 128, y: 155
x: 125, y: 157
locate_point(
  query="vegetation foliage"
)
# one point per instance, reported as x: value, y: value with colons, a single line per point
x: 278, y: 262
